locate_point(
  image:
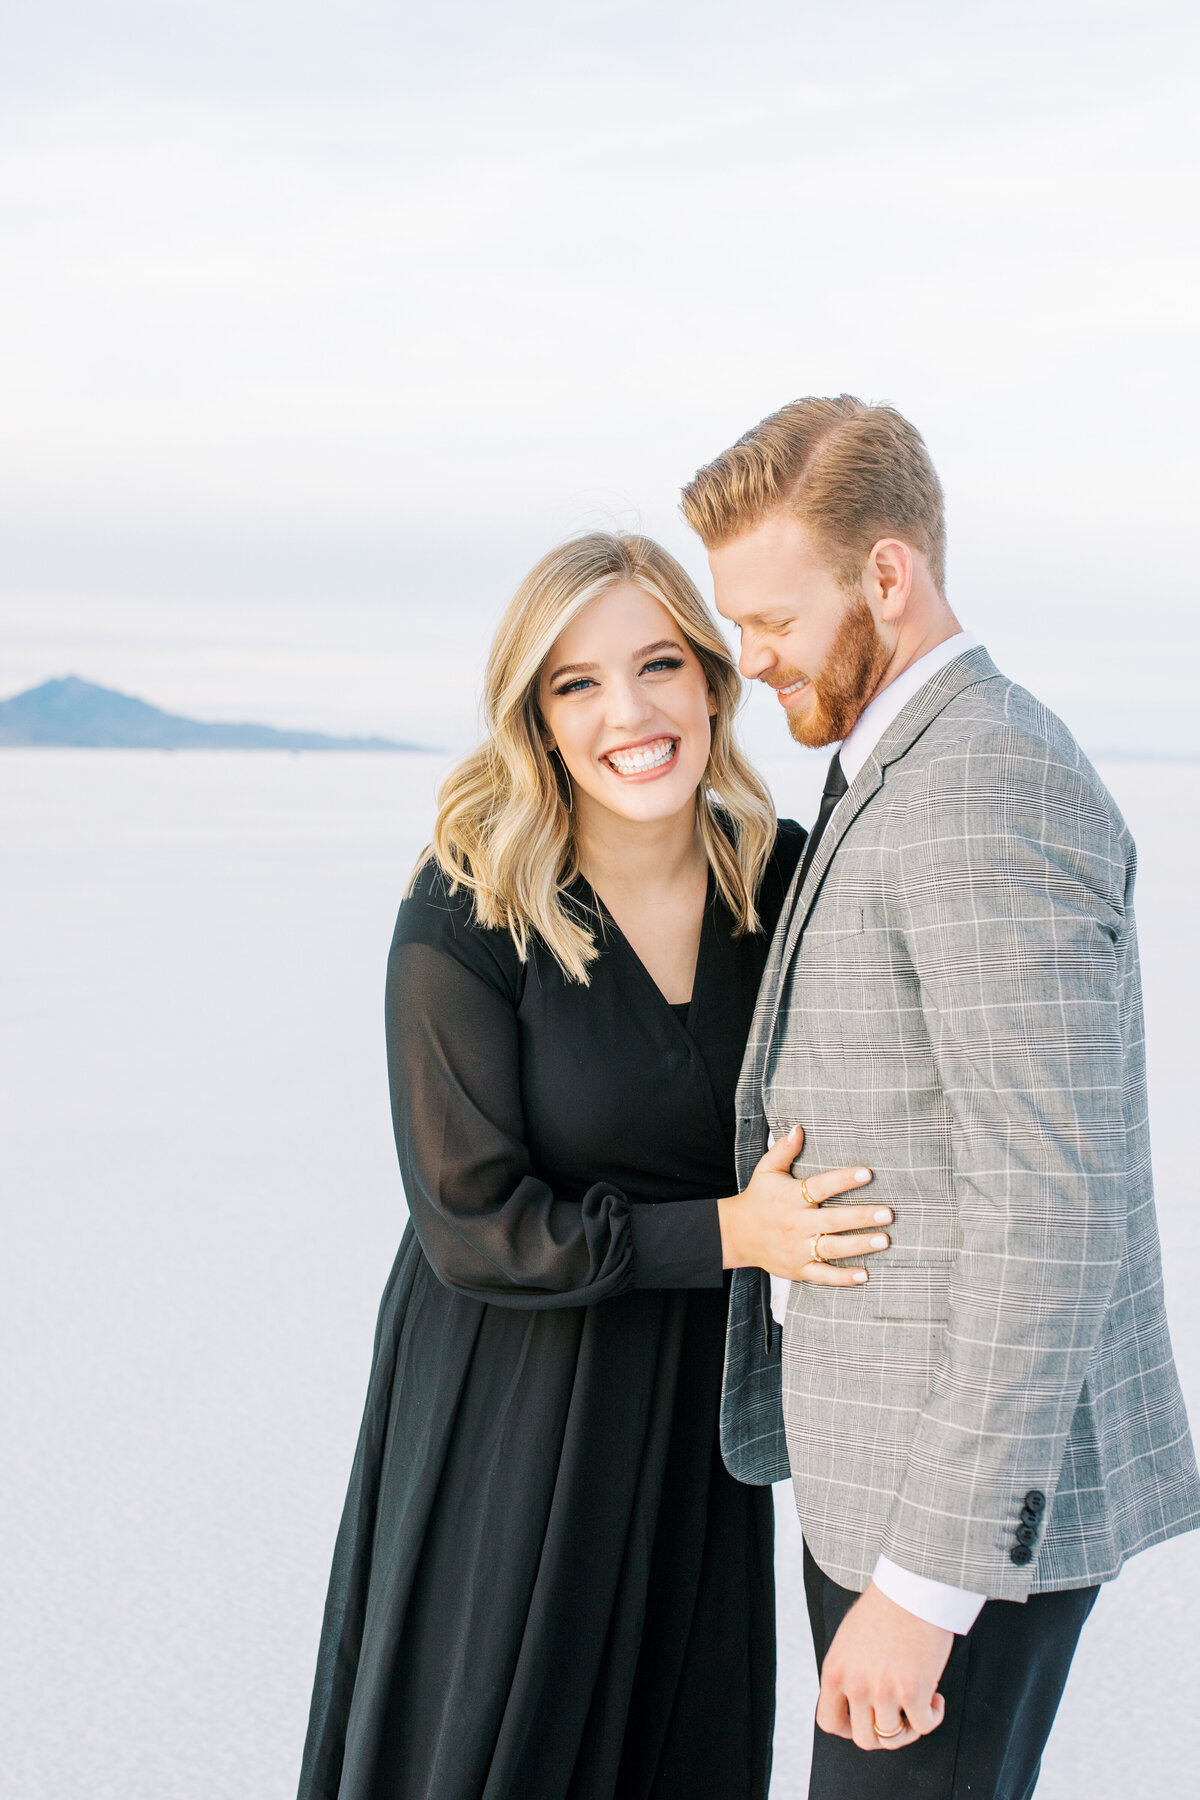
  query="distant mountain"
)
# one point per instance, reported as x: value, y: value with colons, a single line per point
x: 75, y: 712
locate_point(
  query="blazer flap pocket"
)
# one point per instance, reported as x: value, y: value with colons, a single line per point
x: 900, y: 1292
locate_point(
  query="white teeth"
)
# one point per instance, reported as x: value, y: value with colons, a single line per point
x: 796, y: 686
x: 649, y: 756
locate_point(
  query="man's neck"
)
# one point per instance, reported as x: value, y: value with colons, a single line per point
x: 913, y: 644
x: 892, y: 696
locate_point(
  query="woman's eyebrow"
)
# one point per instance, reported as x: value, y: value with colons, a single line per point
x: 573, y: 669
x: 588, y: 668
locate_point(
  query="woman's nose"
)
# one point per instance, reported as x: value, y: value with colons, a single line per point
x: 629, y: 704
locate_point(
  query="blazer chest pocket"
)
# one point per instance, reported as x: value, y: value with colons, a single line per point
x: 836, y: 921
x: 909, y: 1292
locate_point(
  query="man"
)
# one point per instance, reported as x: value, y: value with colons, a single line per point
x: 987, y: 1429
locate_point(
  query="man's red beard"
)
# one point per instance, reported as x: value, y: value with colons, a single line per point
x: 852, y: 670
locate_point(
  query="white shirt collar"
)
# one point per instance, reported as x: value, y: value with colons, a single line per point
x: 896, y: 695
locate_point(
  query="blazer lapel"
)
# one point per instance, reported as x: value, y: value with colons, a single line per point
x: 865, y: 785
x: 751, y: 1126
x: 908, y: 725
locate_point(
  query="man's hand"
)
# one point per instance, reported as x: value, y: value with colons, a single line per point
x: 882, y: 1669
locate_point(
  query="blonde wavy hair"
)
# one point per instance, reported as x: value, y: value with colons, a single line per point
x: 504, y: 822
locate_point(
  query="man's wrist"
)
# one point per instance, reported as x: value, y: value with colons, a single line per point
x: 936, y: 1602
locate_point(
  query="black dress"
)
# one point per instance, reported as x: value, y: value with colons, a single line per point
x: 546, y: 1586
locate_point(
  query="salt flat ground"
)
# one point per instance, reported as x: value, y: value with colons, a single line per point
x: 200, y: 1203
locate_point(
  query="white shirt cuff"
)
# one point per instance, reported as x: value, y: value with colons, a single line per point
x: 781, y: 1287
x: 954, y: 1609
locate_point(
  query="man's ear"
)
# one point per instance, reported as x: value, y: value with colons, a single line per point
x: 889, y: 578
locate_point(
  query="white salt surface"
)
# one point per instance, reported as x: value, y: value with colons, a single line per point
x: 200, y: 1204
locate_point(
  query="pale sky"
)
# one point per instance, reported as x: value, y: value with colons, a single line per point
x: 320, y: 322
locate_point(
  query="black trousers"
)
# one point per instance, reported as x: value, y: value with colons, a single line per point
x: 1002, y: 1686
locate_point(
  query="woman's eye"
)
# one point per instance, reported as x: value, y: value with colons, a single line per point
x: 575, y: 687
x: 663, y: 662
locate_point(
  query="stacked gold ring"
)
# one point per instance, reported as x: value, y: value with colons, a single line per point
x: 816, y: 1247
x: 806, y: 1196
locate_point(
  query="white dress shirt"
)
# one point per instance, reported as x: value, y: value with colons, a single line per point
x: 955, y: 1609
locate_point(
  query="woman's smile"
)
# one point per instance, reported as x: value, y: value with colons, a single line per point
x: 627, y: 712
x: 644, y: 761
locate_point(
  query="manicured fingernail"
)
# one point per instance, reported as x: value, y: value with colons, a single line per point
x: 860, y: 1274
x: 879, y: 1243
x: 792, y: 1133
x: 862, y: 1174
x: 883, y: 1216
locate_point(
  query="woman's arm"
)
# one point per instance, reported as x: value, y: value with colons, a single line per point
x: 495, y: 1231
x: 489, y: 1226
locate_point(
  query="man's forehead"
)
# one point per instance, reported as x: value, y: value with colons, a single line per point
x: 778, y: 547
x: 756, y: 590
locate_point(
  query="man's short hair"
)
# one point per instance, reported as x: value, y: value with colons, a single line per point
x: 851, y: 473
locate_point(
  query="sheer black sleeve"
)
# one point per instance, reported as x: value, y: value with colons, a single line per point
x: 489, y: 1226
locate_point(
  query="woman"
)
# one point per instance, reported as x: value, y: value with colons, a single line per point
x: 546, y: 1585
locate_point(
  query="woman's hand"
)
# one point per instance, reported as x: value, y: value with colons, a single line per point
x: 768, y: 1226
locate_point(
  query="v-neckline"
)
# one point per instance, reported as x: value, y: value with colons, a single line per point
x: 647, y: 977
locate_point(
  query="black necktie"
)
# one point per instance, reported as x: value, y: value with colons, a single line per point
x: 835, y: 786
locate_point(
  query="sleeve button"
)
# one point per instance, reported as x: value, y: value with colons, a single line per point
x: 1029, y: 1517
x: 1021, y: 1554
x: 1027, y: 1535
x: 1035, y: 1500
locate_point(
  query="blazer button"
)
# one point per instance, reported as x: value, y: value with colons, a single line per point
x: 1035, y: 1500
x: 1029, y: 1517
x: 1021, y: 1554
x: 1027, y: 1535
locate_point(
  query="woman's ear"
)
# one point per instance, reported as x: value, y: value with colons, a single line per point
x: 713, y: 708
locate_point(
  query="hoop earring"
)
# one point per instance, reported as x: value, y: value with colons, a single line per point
x: 567, y: 779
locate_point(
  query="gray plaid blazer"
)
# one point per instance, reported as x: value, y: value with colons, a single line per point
x: 953, y: 997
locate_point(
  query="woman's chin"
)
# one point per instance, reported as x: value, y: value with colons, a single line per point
x: 648, y: 802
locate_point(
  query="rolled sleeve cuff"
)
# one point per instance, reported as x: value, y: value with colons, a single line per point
x: 954, y: 1609
x: 676, y: 1244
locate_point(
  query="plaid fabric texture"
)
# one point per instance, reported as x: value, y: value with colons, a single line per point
x: 953, y: 997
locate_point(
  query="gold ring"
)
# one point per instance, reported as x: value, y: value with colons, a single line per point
x: 816, y: 1248
x: 806, y: 1196
x: 884, y: 1736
